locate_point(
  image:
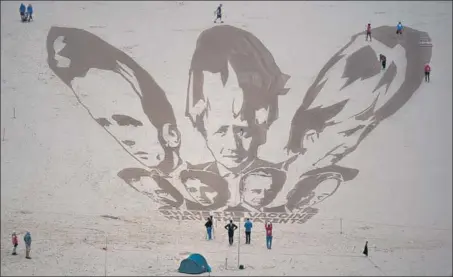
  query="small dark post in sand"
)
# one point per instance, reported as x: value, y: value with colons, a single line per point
x: 365, y: 249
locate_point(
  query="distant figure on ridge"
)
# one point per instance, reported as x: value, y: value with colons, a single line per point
x: 399, y: 28
x: 368, y: 32
x: 383, y: 60
x: 231, y: 227
x: 218, y: 13
x: 427, y: 71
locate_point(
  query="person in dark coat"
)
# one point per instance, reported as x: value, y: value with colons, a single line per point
x: 383, y: 60
x: 231, y: 227
x: 368, y: 32
x: 218, y: 13
x: 208, y: 226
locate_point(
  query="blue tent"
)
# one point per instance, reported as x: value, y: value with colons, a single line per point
x: 194, y: 264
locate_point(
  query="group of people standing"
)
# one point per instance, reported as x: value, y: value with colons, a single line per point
x: 383, y: 58
x: 26, y: 13
x: 27, y: 240
x: 248, y: 225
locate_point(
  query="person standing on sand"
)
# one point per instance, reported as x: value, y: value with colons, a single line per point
x: 268, y: 227
x: 248, y: 230
x: 427, y: 71
x: 218, y: 13
x: 368, y: 32
x: 208, y: 226
x: 231, y: 227
x: 22, y: 11
x: 212, y: 220
x: 27, y: 240
x: 29, y: 12
x: 399, y: 28
x: 383, y: 60
x: 15, y: 242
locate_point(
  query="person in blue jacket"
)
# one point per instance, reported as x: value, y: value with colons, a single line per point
x: 248, y: 230
x: 27, y: 240
x: 399, y: 28
x: 29, y: 12
x: 22, y: 11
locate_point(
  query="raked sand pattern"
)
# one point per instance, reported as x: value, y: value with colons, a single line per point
x: 231, y: 129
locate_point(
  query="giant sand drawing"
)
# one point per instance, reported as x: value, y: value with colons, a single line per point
x: 232, y: 98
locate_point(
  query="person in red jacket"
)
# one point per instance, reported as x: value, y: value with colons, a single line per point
x: 268, y: 227
x: 15, y: 242
x: 427, y: 71
x: 368, y: 32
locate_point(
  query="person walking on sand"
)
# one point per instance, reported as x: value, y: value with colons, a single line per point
x: 27, y: 240
x: 218, y: 13
x: 208, y: 226
x: 29, y: 12
x: 248, y: 230
x: 15, y: 242
x: 231, y: 227
x: 22, y: 11
x: 399, y: 28
x: 368, y: 32
x: 427, y: 71
x: 383, y: 60
x: 268, y: 227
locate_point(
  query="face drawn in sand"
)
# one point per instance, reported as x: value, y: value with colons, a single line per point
x: 204, y: 194
x: 232, y: 100
x: 84, y: 62
x: 330, y: 124
x: 154, y: 186
x: 233, y: 93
